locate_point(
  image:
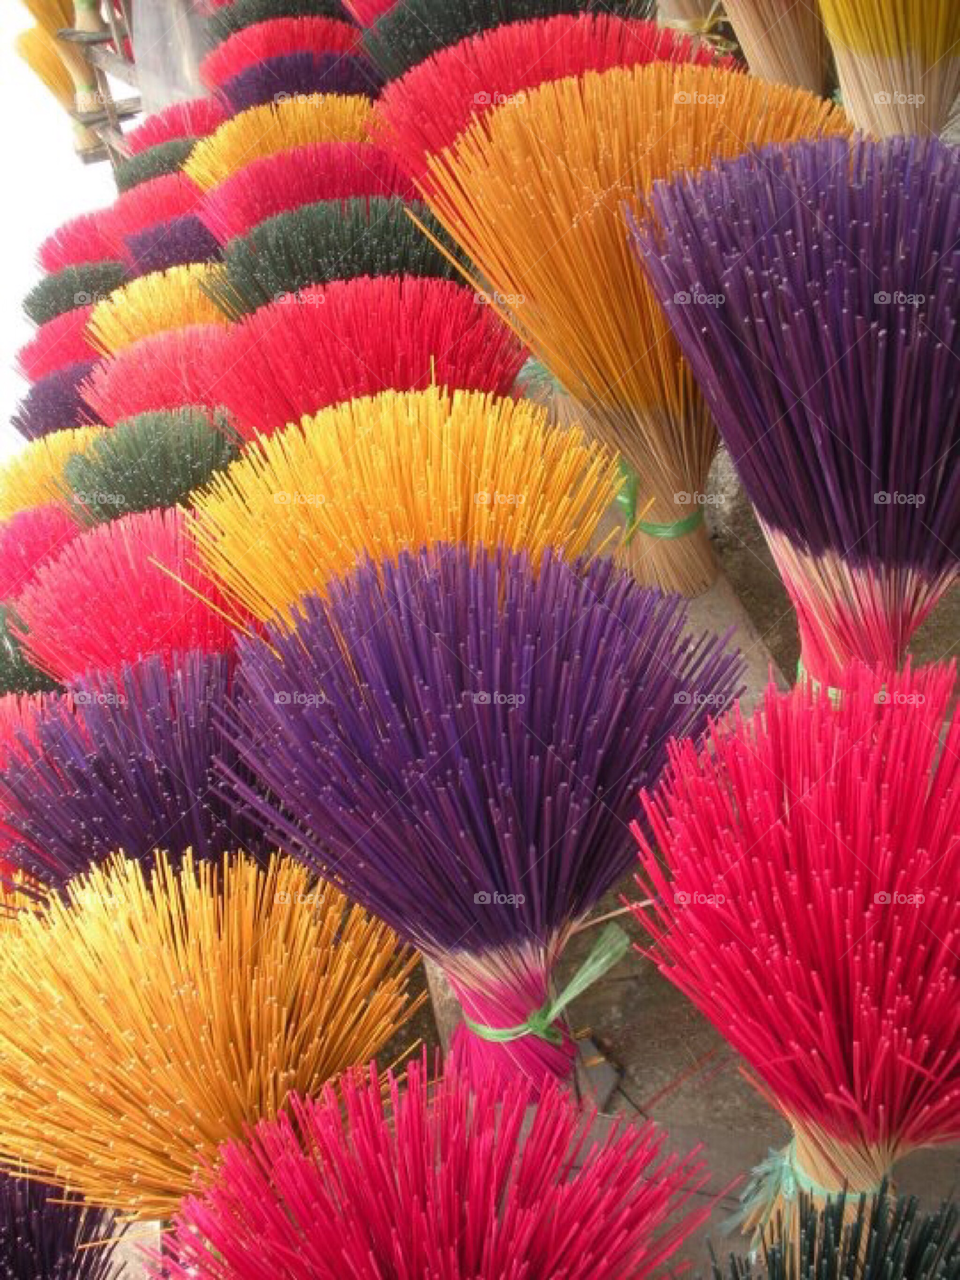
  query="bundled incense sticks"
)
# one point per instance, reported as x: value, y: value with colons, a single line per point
x: 299, y: 75
x: 782, y: 41
x: 126, y: 762
x: 150, y: 1015
x: 74, y: 286
x: 29, y: 538
x: 396, y: 471
x: 428, y: 108
x: 78, y: 240
x: 156, y: 162
x: 170, y: 299
x: 154, y: 203
x: 193, y: 119
x: 55, y: 403
x: 354, y: 338
x: 379, y: 1192
x: 500, y: 702
x: 47, y: 1236
x: 274, y: 127
x: 228, y: 19
x: 275, y: 38
x: 898, y: 62
x: 119, y: 592
x: 34, y: 476
x: 57, y: 344
x: 535, y: 195
x: 808, y: 907
x: 833, y: 364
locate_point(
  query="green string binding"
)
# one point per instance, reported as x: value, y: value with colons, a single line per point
x: 680, y: 529
x: 803, y: 677
x: 612, y: 945
x: 629, y: 489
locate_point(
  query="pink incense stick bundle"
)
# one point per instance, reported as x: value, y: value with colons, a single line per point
x: 804, y: 868
x: 442, y: 1181
x: 118, y: 593
x: 172, y: 195
x: 366, y: 12
x: 273, y: 39
x: 303, y: 175
x: 60, y: 342
x: 194, y: 119
x: 82, y: 239
x: 27, y: 540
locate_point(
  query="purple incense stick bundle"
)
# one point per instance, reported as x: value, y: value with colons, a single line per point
x: 46, y: 1234
x: 814, y: 293
x: 125, y: 763
x: 459, y: 741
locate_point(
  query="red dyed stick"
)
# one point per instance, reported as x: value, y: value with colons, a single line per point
x: 194, y: 119
x: 273, y: 39
x: 27, y: 540
x: 60, y: 342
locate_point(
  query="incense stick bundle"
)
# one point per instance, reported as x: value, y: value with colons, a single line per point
x: 149, y: 1016
x: 428, y: 108
x: 379, y: 1192
x: 355, y: 338
x: 29, y: 538
x: 163, y: 300
x: 167, y: 371
x: 45, y: 1235
x: 834, y: 364
x: 499, y: 702
x: 125, y: 762
x: 41, y: 53
x: 815, y: 925
x: 782, y: 41
x: 395, y: 472
x: 275, y: 38
x: 316, y: 244
x: 55, y: 403
x: 193, y: 119
x: 228, y: 19
x: 60, y: 342
x: 76, y: 286
x: 153, y: 460
x: 277, y: 126
x: 18, y: 676
x: 156, y: 162
x: 886, y: 1240
x: 366, y: 12
x: 535, y: 195
x: 173, y: 195
x: 177, y: 243
x: 304, y: 175
x: 34, y: 476
x: 299, y: 75
x: 51, y: 17
x: 78, y: 240
x: 410, y: 32
x: 118, y: 593
x: 898, y: 62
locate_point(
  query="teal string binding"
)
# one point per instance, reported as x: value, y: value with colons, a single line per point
x: 612, y: 945
x: 679, y: 529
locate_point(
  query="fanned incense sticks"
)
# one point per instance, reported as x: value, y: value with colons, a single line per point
x: 45, y: 1235
x: 782, y: 41
x: 76, y: 286
x: 164, y: 300
x: 332, y: 240
x: 149, y: 1016
x: 60, y: 342
x: 275, y: 38
x: 193, y: 119
x: 535, y: 196
x: 444, y: 1177
x: 484, y: 707
x: 228, y: 19
x: 355, y: 338
x: 81, y: 239
x: 898, y: 62
x: 278, y: 126
x: 167, y: 371
x: 17, y: 674
x: 55, y: 403
x: 427, y: 109
x: 173, y: 195
x: 395, y: 472
x: 127, y: 762
x: 34, y: 475
x: 303, y: 175
x: 410, y: 32
x: 366, y: 12
x: 26, y: 540
x: 156, y: 162
x: 118, y: 593
x: 171, y: 244
x: 153, y: 460
x: 886, y: 1240
x: 299, y: 75
x: 808, y: 908
x: 833, y: 364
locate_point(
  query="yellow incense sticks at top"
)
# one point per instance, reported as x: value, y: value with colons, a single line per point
x: 148, y: 1017
x: 170, y: 299
x: 278, y: 126
x: 536, y: 196
x: 394, y: 471
x: 34, y: 475
x: 898, y: 62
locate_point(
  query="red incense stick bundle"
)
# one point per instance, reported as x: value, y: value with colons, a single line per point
x: 60, y: 342
x: 85, y: 238
x: 27, y: 540
x: 273, y: 39
x: 805, y: 875
x: 193, y: 119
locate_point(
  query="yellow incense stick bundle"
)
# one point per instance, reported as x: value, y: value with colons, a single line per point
x: 783, y: 40
x: 148, y: 1018
x: 398, y: 470
x: 52, y: 16
x: 170, y: 299
x: 35, y: 475
x: 536, y: 195
x: 41, y: 53
x: 898, y: 62
x: 278, y: 126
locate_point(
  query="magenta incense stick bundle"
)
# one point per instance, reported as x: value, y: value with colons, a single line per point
x: 813, y: 291
x: 470, y: 770
x: 439, y: 1180
x: 804, y: 868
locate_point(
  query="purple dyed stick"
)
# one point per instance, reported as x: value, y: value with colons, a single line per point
x: 171, y: 244
x: 304, y: 72
x: 488, y: 736
x: 54, y: 403
x: 45, y: 1234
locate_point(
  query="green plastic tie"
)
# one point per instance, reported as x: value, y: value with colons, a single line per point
x: 678, y: 530
x: 612, y: 945
x: 629, y: 489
